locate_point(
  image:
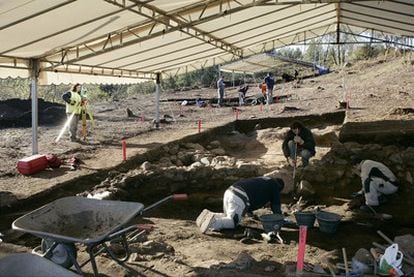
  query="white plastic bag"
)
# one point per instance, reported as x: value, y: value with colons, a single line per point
x: 390, y: 262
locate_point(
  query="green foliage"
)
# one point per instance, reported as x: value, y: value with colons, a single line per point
x: 142, y: 88
x: 14, y: 88
x: 365, y: 52
x: 205, y: 77
x: 20, y: 88
x: 290, y: 52
x: 314, y: 52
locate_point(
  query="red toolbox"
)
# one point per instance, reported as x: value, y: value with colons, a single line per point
x: 32, y: 164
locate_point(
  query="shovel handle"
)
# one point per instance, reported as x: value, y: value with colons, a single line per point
x: 182, y: 196
x: 174, y: 197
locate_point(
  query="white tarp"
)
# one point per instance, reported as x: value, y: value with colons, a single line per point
x: 144, y: 37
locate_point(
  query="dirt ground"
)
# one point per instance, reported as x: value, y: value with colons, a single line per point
x: 376, y: 90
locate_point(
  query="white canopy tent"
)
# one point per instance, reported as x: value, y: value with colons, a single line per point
x: 134, y: 40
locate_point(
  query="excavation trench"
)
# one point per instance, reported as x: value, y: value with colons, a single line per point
x: 205, y: 164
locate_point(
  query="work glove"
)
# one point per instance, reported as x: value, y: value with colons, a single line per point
x: 298, y: 140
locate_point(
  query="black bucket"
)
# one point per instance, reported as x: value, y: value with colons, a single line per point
x: 305, y: 219
x: 272, y: 222
x: 328, y: 222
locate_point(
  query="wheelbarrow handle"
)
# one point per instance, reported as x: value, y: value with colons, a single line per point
x: 183, y: 196
x: 174, y: 197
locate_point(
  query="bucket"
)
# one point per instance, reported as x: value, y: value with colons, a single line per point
x: 305, y: 219
x: 272, y: 222
x: 328, y: 222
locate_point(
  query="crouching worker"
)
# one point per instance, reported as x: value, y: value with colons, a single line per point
x: 244, y: 196
x: 298, y: 141
x: 377, y: 181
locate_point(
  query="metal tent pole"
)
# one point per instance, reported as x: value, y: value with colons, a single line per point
x: 157, y: 100
x: 33, y: 90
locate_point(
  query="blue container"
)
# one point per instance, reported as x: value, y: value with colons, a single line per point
x: 328, y: 222
x: 305, y: 219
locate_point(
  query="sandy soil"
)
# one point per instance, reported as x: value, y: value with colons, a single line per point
x: 375, y: 89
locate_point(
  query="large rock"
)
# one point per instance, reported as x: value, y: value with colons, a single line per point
x: 326, y: 137
x: 218, y: 151
x: 272, y: 134
x: 195, y: 146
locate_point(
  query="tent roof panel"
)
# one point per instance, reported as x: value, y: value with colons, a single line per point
x: 16, y: 10
x: 166, y: 35
x: 148, y: 48
x: 64, y: 27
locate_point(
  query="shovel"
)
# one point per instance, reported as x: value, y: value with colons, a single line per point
x: 379, y: 215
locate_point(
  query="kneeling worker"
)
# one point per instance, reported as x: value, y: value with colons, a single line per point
x: 245, y: 196
x: 377, y: 180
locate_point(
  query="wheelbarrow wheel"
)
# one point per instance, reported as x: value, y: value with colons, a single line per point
x: 61, y: 254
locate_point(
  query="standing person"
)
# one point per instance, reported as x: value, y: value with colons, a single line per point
x: 270, y: 82
x: 244, y: 196
x: 220, y: 91
x: 299, y: 141
x: 377, y: 181
x: 242, y: 94
x: 73, y: 101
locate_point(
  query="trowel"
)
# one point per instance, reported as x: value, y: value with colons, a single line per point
x: 379, y: 215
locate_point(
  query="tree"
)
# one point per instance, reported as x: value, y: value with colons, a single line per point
x: 314, y: 52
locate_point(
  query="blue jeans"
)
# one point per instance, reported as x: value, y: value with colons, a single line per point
x: 304, y: 153
x: 220, y: 92
x: 269, y: 95
x: 241, y: 98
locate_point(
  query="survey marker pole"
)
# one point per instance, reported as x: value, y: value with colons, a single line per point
x: 33, y: 93
x: 157, y: 100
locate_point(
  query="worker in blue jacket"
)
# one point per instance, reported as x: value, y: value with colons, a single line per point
x: 270, y: 82
x: 244, y: 196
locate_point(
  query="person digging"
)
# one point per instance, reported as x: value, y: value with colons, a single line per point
x: 244, y: 196
x: 377, y: 181
x: 298, y: 141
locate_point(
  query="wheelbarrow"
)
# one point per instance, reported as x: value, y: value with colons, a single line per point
x: 26, y: 264
x: 91, y: 222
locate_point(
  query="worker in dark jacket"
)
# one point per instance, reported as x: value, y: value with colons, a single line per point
x: 270, y: 82
x: 299, y: 141
x: 245, y: 196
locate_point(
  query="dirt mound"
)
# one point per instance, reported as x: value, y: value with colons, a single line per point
x: 18, y: 113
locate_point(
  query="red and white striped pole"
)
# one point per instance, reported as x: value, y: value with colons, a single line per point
x: 123, y: 150
x: 301, y: 250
